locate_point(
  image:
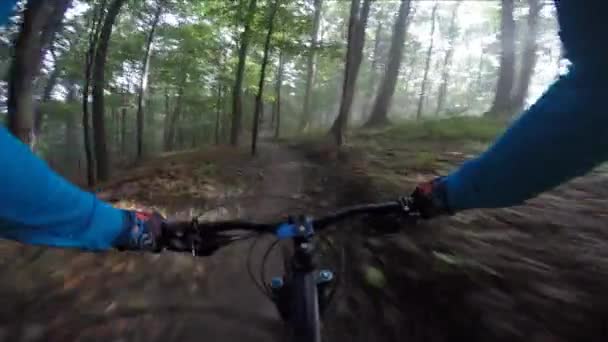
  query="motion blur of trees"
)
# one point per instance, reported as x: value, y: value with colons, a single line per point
x: 95, y: 85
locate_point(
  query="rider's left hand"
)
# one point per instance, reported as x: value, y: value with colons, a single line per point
x: 143, y: 231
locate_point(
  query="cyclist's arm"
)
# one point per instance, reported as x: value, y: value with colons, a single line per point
x: 563, y: 135
x: 38, y: 206
x: 6, y: 9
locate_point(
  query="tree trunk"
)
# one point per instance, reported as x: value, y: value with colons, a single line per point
x: 277, y: 90
x: 170, y: 143
x: 447, y: 61
x: 237, y: 93
x: 86, y: 133
x: 410, y: 73
x: 143, y: 85
x: 225, y: 117
x: 93, y: 37
x: 71, y: 140
x: 501, y: 107
x: 474, y: 87
x: 98, y: 80
x: 39, y: 19
x: 259, y: 97
x: 47, y: 93
x: 311, y: 67
x: 528, y: 59
x: 384, y: 97
x: 356, y: 41
x: 429, y: 54
x: 47, y: 38
x: 116, y: 127
x: 373, y: 71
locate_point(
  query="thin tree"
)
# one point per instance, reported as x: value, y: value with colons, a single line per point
x: 427, y: 66
x: 259, y: 97
x: 474, y: 88
x: 501, y: 106
x: 354, y: 52
x: 171, y: 126
x: 528, y: 58
x: 219, y: 104
x: 93, y: 36
x: 384, y: 97
x: 447, y: 60
x: 40, y: 21
x: 373, y: 69
x: 143, y: 83
x: 410, y: 73
x: 71, y: 139
x: 237, y: 92
x: 47, y: 94
x: 311, y: 66
x: 53, y: 28
x: 277, y: 90
x: 98, y: 80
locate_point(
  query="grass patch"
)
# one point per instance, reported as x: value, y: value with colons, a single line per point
x: 459, y: 129
x: 424, y: 160
x: 206, y: 169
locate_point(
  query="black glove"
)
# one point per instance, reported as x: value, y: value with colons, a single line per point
x: 143, y: 231
x: 430, y: 199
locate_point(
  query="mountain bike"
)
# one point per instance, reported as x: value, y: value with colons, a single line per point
x: 303, y: 293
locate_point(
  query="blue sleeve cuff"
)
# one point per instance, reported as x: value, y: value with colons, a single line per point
x: 461, y: 194
x: 107, y: 223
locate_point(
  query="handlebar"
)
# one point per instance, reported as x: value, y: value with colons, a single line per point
x: 206, y: 237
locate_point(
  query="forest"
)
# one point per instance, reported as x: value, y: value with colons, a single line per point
x: 255, y: 109
x: 116, y: 81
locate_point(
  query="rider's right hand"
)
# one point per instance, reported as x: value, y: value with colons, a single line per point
x: 430, y: 199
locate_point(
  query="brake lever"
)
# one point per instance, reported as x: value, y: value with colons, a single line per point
x: 206, y: 243
x: 392, y: 223
x: 192, y: 239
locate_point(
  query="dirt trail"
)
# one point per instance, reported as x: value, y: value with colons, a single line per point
x: 279, y: 177
x: 518, y: 274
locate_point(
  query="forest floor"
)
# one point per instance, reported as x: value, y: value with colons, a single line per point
x: 538, y: 272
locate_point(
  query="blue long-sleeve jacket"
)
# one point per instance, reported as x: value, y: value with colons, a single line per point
x: 38, y: 206
x: 563, y: 135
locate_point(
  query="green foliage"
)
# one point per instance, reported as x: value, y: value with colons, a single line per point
x: 195, y: 53
x: 460, y: 128
x: 423, y: 160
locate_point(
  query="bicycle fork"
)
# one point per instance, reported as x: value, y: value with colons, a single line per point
x: 282, y: 292
x: 301, y: 266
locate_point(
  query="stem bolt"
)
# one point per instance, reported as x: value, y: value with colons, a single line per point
x: 276, y: 283
x: 326, y: 275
